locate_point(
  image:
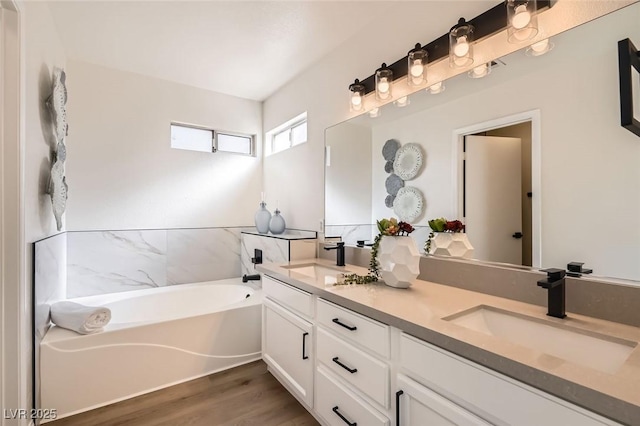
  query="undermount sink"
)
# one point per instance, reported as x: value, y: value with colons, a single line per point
x: 593, y: 350
x: 314, y: 270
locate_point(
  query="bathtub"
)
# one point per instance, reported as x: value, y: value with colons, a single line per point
x: 157, y: 338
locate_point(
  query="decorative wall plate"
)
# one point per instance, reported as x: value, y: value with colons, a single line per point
x: 57, y: 102
x: 389, y: 149
x: 408, y: 161
x: 393, y: 184
x: 408, y: 204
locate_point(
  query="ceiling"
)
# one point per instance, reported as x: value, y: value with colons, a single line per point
x: 247, y: 49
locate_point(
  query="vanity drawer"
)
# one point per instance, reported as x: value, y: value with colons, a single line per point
x: 368, y: 374
x: 297, y: 300
x: 334, y: 400
x: 364, y: 331
x: 491, y: 395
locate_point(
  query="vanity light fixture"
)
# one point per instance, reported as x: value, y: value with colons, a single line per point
x: 384, y: 78
x: 539, y: 48
x: 461, y: 44
x: 356, y: 94
x: 522, y: 20
x: 480, y: 71
x: 374, y: 112
x: 402, y: 102
x: 436, y: 88
x: 417, y: 66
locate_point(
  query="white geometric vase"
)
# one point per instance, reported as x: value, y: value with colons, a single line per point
x: 455, y: 244
x: 399, y: 261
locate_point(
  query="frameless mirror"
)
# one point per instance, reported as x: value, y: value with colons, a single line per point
x: 573, y: 173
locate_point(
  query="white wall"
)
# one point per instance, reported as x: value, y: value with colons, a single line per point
x: 42, y: 51
x: 348, y: 177
x: 122, y: 172
x: 590, y: 173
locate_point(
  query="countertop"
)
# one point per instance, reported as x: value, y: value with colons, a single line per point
x: 420, y: 309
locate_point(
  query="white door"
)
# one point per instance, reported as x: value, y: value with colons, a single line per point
x: 493, y: 197
x: 287, y: 348
x: 419, y: 406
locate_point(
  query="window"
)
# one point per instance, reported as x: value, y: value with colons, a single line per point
x: 191, y: 138
x: 238, y: 144
x: 287, y: 135
x: 196, y: 138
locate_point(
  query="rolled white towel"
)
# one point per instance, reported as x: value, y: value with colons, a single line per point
x: 80, y: 318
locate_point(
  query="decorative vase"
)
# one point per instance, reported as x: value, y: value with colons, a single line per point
x: 262, y: 218
x: 399, y: 261
x: 455, y: 244
x: 277, y: 224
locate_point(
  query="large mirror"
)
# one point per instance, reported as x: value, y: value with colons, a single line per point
x: 573, y: 171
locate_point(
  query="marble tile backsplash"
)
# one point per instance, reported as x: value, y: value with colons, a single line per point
x: 100, y: 262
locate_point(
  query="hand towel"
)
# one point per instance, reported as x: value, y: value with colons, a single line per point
x: 80, y: 318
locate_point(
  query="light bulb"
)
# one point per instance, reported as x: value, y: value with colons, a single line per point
x: 436, y: 88
x: 356, y: 100
x: 540, y: 46
x: 383, y: 86
x: 417, y: 68
x: 462, y: 47
x: 402, y: 102
x: 521, y: 18
x: 375, y: 112
x: 480, y: 70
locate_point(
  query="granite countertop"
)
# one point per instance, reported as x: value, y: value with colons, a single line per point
x: 420, y: 309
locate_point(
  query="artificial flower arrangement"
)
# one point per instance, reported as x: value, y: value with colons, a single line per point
x: 386, y: 227
x: 442, y: 225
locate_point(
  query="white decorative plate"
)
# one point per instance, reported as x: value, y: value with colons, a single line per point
x: 408, y: 204
x: 408, y: 161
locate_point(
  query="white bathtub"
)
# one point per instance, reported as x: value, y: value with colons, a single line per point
x: 156, y: 338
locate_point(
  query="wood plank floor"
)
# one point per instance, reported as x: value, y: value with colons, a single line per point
x: 245, y: 395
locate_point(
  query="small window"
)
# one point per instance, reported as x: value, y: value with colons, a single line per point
x: 287, y: 135
x: 238, y: 144
x: 196, y: 138
x: 191, y: 138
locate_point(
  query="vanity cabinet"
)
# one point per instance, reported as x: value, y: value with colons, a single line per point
x: 417, y: 405
x: 287, y: 340
x: 476, y: 389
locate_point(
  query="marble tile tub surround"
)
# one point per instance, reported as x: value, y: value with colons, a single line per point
x: 350, y: 234
x: 101, y: 262
x: 596, y: 298
x: 292, y: 245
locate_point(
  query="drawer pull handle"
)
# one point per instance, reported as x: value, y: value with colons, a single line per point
x: 344, y: 419
x: 304, y: 346
x: 350, y: 370
x: 348, y: 327
x: 398, y: 395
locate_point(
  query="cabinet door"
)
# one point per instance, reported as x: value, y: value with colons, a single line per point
x: 288, y: 349
x: 418, y: 405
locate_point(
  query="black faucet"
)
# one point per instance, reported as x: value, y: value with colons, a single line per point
x: 554, y: 283
x: 247, y: 278
x: 339, y: 254
x: 257, y: 257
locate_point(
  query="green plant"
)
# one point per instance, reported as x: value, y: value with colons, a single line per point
x: 442, y: 225
x: 389, y: 227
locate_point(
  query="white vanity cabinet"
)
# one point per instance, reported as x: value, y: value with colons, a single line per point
x: 453, y: 386
x: 287, y: 338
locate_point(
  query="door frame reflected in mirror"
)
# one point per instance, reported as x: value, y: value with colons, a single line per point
x: 532, y: 116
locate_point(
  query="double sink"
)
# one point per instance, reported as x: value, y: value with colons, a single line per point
x: 589, y: 349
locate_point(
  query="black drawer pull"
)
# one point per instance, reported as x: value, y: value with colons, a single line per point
x: 344, y: 419
x: 304, y: 348
x: 350, y: 370
x: 398, y: 394
x: 348, y: 327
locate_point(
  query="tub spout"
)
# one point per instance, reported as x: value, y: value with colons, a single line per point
x: 246, y: 278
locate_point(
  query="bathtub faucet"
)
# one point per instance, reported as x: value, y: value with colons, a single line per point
x: 246, y: 278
